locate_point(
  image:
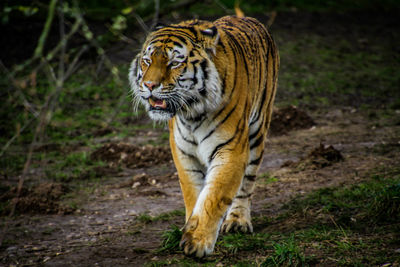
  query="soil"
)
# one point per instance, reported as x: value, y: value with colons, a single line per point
x: 132, y: 156
x: 41, y: 199
x: 289, y: 118
x: 307, y: 150
x: 320, y: 157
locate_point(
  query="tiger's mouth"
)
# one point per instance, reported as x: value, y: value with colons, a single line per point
x: 156, y: 103
x: 160, y: 109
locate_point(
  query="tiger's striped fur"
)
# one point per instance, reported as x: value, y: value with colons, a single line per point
x: 215, y: 82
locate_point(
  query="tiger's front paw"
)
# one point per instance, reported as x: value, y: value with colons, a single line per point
x: 237, y: 222
x: 196, y: 241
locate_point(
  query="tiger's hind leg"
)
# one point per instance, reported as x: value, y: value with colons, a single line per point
x: 238, y: 217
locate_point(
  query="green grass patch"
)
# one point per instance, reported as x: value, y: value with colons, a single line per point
x: 377, y: 201
x: 234, y: 243
x: 75, y: 166
x: 267, y: 178
x: 385, y: 205
x: 146, y: 218
x: 169, y: 215
x: 171, y: 239
x: 333, y: 222
x: 84, y: 104
x: 11, y: 163
x: 316, y: 71
x: 286, y: 253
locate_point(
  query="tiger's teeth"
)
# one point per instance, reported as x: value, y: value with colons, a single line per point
x: 152, y: 102
x: 158, y: 103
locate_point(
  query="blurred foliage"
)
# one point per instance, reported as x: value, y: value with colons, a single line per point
x: 25, y: 10
x: 109, y: 9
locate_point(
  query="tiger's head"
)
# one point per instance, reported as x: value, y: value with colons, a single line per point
x: 174, y: 74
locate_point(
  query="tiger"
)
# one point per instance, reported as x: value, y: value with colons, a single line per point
x: 215, y: 84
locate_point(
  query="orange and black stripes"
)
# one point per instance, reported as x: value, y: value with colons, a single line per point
x: 216, y: 88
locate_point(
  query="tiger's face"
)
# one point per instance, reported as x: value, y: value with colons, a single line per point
x: 175, y: 74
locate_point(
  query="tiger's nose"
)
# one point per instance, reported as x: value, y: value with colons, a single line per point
x: 150, y: 85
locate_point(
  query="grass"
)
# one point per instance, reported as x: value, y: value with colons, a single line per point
x: 377, y: 200
x: 320, y: 72
x: 11, y: 163
x: 84, y: 106
x: 234, y: 243
x: 171, y: 239
x: 78, y: 114
x: 334, y: 221
x: 286, y: 254
x: 145, y: 218
x: 385, y: 206
x: 166, y: 216
x: 267, y: 178
x: 347, y: 226
x: 74, y: 166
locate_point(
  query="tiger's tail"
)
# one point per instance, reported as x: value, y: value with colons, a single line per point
x: 238, y: 11
x: 240, y: 14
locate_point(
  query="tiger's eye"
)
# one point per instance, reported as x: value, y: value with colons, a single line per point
x: 147, y: 61
x: 174, y: 64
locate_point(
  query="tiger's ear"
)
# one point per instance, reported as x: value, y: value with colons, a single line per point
x: 159, y: 26
x: 210, y: 31
x: 210, y: 39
